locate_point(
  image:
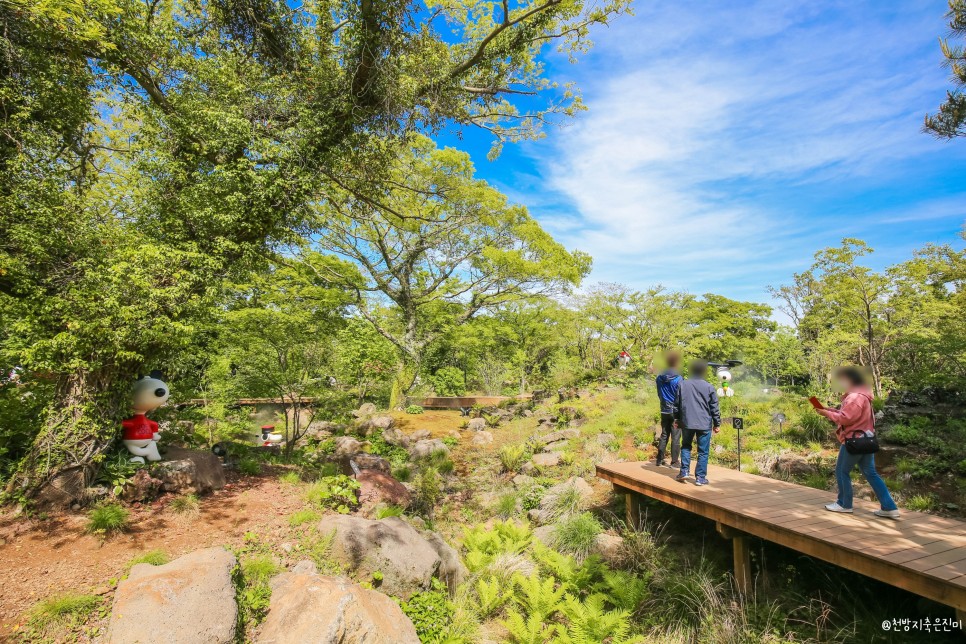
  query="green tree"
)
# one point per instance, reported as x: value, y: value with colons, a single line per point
x: 950, y: 121
x: 442, y: 247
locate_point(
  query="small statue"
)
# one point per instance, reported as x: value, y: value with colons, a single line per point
x: 140, y: 432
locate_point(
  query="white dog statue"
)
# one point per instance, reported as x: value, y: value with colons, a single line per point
x: 140, y: 432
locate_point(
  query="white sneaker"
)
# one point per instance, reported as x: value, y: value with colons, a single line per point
x: 835, y: 507
x: 886, y: 514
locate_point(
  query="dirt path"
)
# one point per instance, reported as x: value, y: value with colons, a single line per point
x: 54, y: 555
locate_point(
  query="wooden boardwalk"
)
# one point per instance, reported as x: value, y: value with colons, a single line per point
x: 921, y: 553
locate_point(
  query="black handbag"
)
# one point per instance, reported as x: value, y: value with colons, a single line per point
x: 859, y: 443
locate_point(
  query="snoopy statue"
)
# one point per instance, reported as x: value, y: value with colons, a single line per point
x: 140, y: 432
x: 723, y: 371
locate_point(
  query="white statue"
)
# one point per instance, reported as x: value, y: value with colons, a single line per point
x: 140, y: 432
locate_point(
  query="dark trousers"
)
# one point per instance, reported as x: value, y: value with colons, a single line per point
x: 668, y: 431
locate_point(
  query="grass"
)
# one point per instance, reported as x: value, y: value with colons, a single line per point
x: 919, y: 503
x: 249, y: 466
x: 301, y: 517
x: 576, y: 534
x: 49, y: 619
x: 108, y: 519
x: 153, y: 557
x: 506, y: 505
x: 387, y: 511
x: 290, y: 478
x: 187, y: 504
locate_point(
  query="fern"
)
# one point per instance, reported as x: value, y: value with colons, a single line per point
x: 484, y: 545
x: 623, y: 590
x: 589, y: 622
x: 538, y: 597
x: 530, y: 630
x: 491, y: 596
x: 574, y: 576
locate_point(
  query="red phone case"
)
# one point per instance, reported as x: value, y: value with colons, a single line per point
x: 815, y: 403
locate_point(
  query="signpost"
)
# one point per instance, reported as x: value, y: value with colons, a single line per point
x: 739, y: 424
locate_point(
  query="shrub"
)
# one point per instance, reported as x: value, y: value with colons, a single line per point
x: 55, y: 615
x: 386, y: 511
x: 576, y: 534
x: 449, y: 381
x: 512, y: 457
x: 108, y: 518
x: 532, y: 496
x: 153, y: 557
x: 811, y: 427
x: 334, y: 493
x: 301, y: 517
x: 402, y: 473
x: 430, y: 612
x: 187, y: 504
x: 427, y: 490
x: 414, y: 409
x: 908, y: 433
x: 919, y: 502
x: 249, y: 466
x: 506, y: 505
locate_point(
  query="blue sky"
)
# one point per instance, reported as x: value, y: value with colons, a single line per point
x: 726, y: 142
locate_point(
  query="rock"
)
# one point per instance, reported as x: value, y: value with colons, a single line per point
x: 407, y: 561
x: 522, y: 481
x: 549, y: 511
x: 190, y: 471
x: 376, y: 487
x: 528, y: 468
x: 381, y: 422
x: 394, y: 436
x: 366, y: 409
x: 141, y: 487
x: 347, y: 446
x: 451, y: 568
x: 305, y: 567
x: 427, y: 447
x: 307, y: 608
x: 454, y: 433
x: 790, y: 464
x: 555, y: 446
x: 577, y: 422
x: 287, y: 546
x: 365, y: 461
x: 420, y: 434
x: 527, y: 413
x: 605, y: 438
x: 544, y: 533
x: 476, y: 424
x: 191, y: 599
x: 549, y: 459
x: 545, y: 420
x: 559, y: 435
x: 610, y: 547
x: 482, y: 438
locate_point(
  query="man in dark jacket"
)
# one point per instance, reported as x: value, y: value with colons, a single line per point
x: 697, y: 412
x: 668, y: 382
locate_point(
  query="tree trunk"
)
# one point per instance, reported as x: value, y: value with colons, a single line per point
x: 402, y: 383
x: 79, y: 426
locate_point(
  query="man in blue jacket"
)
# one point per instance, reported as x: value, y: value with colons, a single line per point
x: 668, y: 382
x: 697, y: 413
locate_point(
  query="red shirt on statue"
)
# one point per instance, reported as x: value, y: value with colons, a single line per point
x: 139, y: 427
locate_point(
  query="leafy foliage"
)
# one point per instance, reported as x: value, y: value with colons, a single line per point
x: 333, y: 493
x: 430, y: 612
x: 107, y: 519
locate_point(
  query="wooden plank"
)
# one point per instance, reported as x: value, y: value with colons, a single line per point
x: 714, y: 504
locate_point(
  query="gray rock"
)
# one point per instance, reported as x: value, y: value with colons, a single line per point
x: 420, y: 434
x: 191, y: 599
x: 347, y: 446
x: 190, y: 471
x: 451, y: 568
x: 307, y: 608
x: 523, y: 481
x: 407, y: 561
x: 555, y: 446
x: 549, y: 459
x: 790, y: 464
x: 605, y: 438
x: 476, y: 424
x: 364, y: 461
x: 527, y: 413
x: 559, y: 435
x: 610, y: 547
x: 394, y: 436
x: 305, y: 567
x: 544, y: 533
x: 528, y: 468
x: 426, y: 447
x: 482, y: 438
x: 381, y: 422
x: 367, y: 409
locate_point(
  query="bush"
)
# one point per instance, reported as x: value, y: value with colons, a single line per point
x: 512, y: 457
x: 187, y: 504
x: 249, y: 466
x: 449, y: 381
x: 911, y: 432
x: 402, y: 473
x: 414, y: 409
x: 812, y: 428
x: 430, y: 612
x: 334, y: 493
x: 576, y: 534
x: 52, y: 617
x: 107, y: 519
x: 427, y: 490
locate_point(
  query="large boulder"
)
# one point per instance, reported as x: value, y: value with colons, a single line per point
x: 407, y: 561
x: 191, y: 599
x: 376, y: 486
x: 547, y: 459
x: 559, y: 435
x: 789, y: 464
x: 347, y: 446
x: 381, y: 422
x: 451, y: 568
x: 394, y: 436
x: 141, y: 487
x: 482, y: 438
x: 366, y: 409
x: 427, y: 447
x: 555, y: 446
x: 307, y: 608
x: 476, y: 424
x: 189, y: 471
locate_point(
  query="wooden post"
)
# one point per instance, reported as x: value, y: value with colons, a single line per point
x: 632, y: 507
x: 741, y: 550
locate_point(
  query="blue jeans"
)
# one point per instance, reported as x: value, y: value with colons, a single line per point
x: 866, y: 462
x: 704, y: 446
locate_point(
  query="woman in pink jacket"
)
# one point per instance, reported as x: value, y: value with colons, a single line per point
x: 856, y: 414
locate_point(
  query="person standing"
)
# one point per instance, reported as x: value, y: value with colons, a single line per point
x: 698, y: 414
x: 856, y: 416
x: 668, y: 382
